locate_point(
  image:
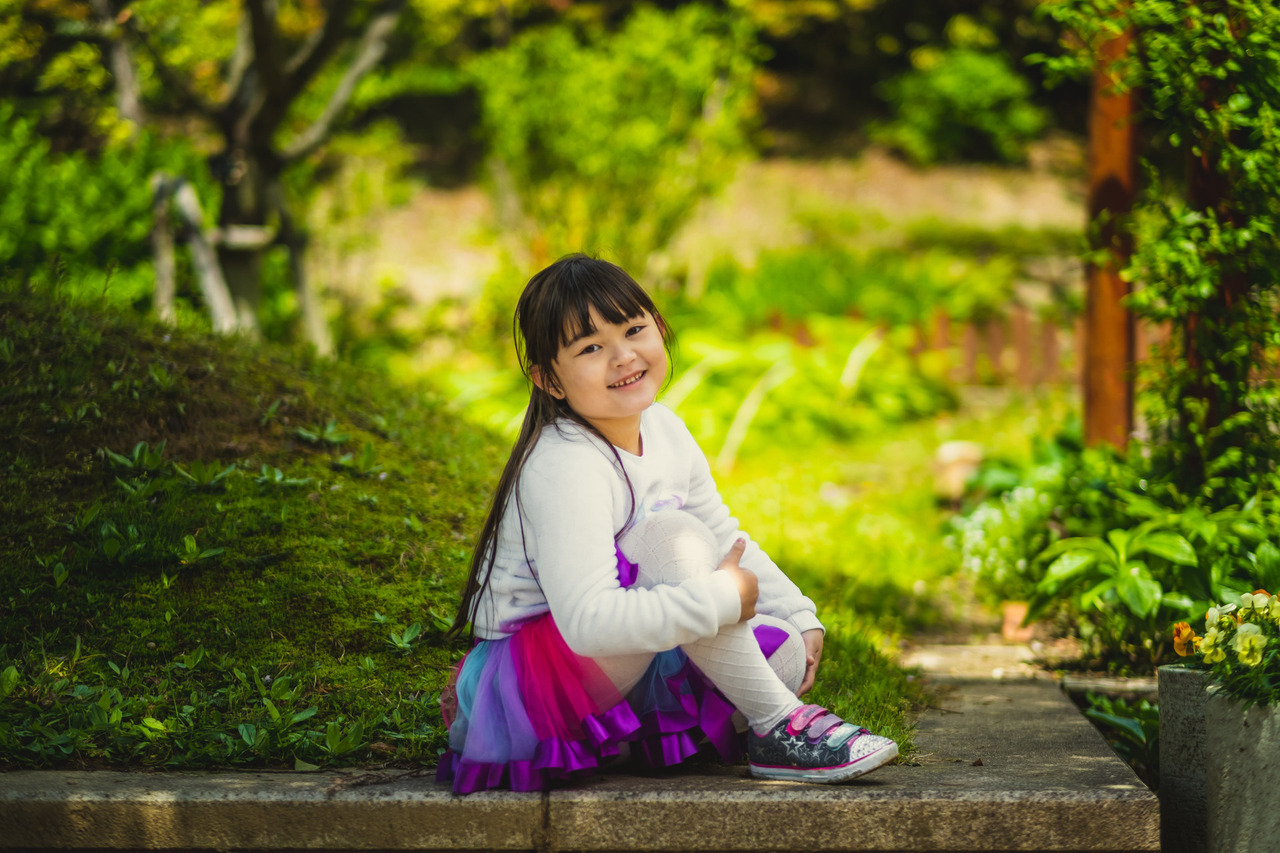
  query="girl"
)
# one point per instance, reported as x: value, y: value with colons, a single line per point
x: 603, y: 610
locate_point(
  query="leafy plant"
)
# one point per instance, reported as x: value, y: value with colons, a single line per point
x: 1133, y: 730
x: 144, y: 459
x: 329, y: 434
x: 403, y: 641
x: 959, y: 103
x: 205, y: 475
x: 191, y: 553
x: 273, y: 476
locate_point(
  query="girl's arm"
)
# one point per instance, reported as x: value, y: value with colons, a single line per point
x: 568, y: 499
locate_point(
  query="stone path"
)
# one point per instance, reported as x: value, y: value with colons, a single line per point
x: 1005, y: 764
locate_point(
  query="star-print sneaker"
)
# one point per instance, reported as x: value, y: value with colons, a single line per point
x: 813, y: 745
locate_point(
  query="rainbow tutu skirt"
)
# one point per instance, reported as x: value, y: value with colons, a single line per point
x: 525, y: 711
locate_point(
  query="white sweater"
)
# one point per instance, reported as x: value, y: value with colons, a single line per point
x: 573, y: 501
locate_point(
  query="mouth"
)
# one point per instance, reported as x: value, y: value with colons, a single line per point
x: 630, y: 380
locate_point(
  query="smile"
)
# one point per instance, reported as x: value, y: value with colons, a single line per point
x: 630, y: 380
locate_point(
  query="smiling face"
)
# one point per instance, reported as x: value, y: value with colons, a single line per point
x: 610, y: 373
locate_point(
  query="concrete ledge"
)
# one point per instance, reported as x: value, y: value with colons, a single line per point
x: 1007, y: 766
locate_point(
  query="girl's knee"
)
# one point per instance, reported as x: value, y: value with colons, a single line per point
x: 669, y: 547
x: 783, y: 647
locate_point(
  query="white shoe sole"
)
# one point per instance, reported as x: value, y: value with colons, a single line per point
x: 829, y: 775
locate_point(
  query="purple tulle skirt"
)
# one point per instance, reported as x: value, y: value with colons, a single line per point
x: 525, y: 711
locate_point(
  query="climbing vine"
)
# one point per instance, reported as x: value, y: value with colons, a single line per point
x: 1207, y: 258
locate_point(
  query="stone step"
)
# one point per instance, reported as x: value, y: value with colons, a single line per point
x: 1005, y: 765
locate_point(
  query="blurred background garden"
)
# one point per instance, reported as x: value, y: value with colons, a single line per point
x: 259, y: 262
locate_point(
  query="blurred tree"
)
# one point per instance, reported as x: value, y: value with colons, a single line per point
x: 608, y: 137
x: 264, y: 83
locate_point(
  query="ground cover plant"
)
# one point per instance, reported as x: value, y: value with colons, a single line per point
x: 216, y: 557
x: 212, y: 557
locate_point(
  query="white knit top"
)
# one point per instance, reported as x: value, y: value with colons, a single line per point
x: 573, y: 501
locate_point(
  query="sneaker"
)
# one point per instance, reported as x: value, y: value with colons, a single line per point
x: 812, y: 745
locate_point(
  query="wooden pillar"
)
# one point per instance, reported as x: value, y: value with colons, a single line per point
x: 1108, y: 355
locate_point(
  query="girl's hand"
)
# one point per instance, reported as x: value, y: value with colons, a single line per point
x: 812, y: 657
x: 748, y: 586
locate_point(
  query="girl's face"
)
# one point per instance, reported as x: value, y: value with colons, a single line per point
x: 612, y: 374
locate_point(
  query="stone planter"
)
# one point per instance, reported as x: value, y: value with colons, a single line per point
x: 1219, y: 770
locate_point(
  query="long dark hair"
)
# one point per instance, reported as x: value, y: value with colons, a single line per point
x: 554, y: 309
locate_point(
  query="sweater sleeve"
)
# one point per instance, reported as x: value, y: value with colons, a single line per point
x: 779, y: 596
x: 567, y: 501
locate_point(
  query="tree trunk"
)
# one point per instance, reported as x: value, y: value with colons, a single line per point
x: 309, y: 298
x: 244, y: 203
x: 1109, y: 332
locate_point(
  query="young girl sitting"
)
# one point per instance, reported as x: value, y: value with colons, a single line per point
x: 603, y: 609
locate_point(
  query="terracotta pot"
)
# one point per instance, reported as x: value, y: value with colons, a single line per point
x: 1012, y: 629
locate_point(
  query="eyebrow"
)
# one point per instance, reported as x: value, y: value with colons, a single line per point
x: 591, y: 330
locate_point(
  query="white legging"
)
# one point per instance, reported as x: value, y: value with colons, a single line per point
x: 672, y: 546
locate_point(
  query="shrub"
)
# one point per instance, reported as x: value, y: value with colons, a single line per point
x: 960, y: 103
x: 610, y: 138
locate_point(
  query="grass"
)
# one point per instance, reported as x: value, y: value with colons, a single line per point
x: 215, y: 555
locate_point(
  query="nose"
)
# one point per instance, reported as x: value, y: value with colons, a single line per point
x: 623, y: 353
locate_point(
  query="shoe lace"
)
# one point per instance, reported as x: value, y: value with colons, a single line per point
x: 817, y: 723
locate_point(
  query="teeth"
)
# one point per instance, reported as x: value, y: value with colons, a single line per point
x: 630, y: 381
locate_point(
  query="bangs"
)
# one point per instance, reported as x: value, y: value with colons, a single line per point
x: 611, y: 292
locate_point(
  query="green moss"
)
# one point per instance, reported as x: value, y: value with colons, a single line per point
x: 303, y: 576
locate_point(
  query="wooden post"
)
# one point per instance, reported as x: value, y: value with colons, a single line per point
x: 1108, y: 355
x: 1024, y: 370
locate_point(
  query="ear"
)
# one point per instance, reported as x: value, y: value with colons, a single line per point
x: 546, y: 383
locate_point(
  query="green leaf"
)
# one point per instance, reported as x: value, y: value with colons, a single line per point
x: 248, y: 732
x: 1172, y: 546
x: 8, y: 680
x: 1128, y: 725
x: 1069, y: 565
x: 303, y: 767
x: 1139, y: 592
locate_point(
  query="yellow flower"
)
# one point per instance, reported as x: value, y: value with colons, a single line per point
x: 1273, y: 609
x: 1185, y: 640
x: 1210, y: 645
x: 1255, y: 600
x: 1249, y: 644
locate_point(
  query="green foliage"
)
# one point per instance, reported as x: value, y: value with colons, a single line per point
x: 1206, y: 258
x: 1133, y: 730
x: 609, y: 138
x: 960, y: 103
x: 884, y: 286
x: 1116, y: 557
x: 90, y: 211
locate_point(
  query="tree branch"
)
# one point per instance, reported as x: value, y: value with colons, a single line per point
x: 262, y: 29
x: 185, y: 96
x: 317, y: 49
x: 373, y: 46
x: 128, y: 93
